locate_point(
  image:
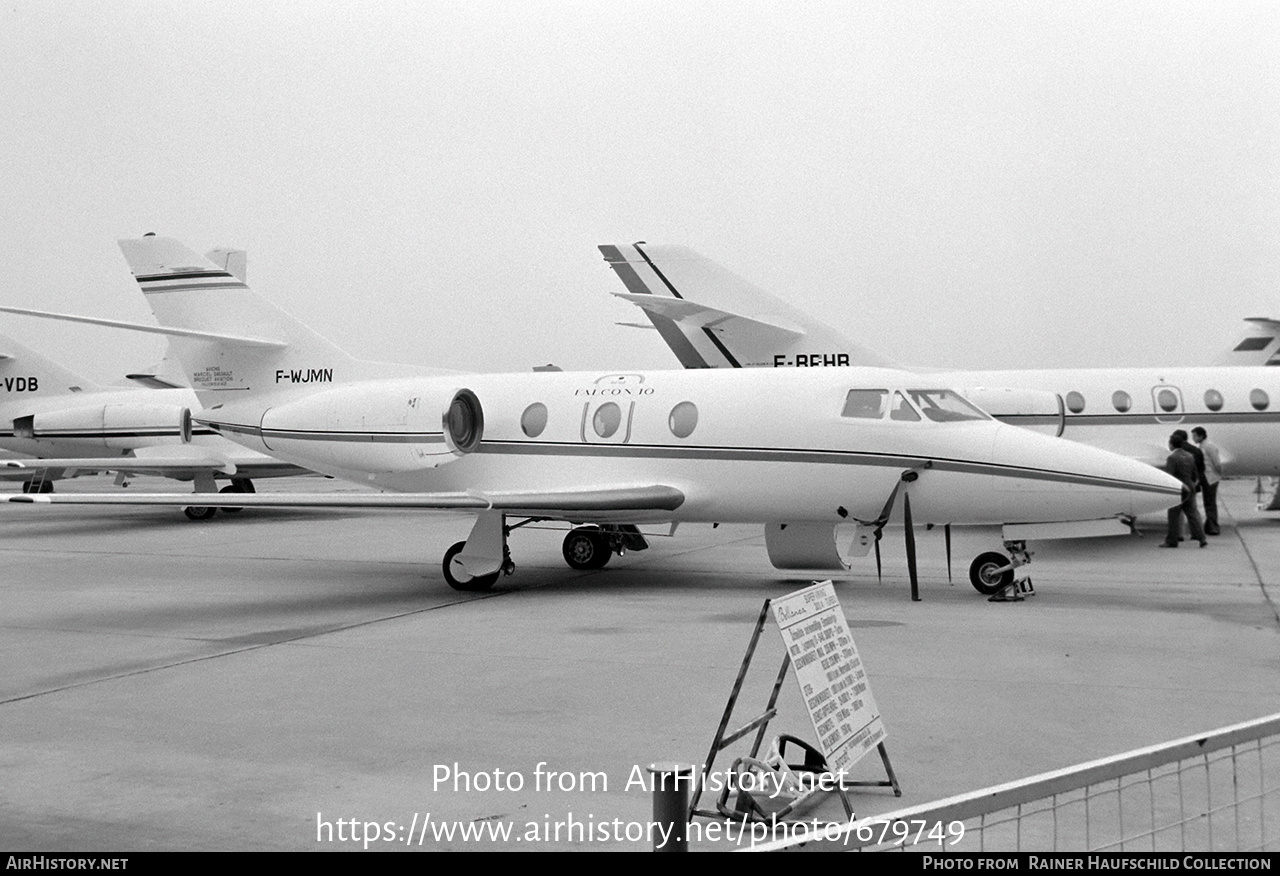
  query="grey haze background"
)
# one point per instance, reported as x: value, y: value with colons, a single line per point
x: 1016, y: 184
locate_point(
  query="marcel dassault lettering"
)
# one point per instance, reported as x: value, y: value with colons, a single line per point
x: 44, y: 862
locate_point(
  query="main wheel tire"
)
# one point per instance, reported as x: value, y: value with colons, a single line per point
x: 30, y: 487
x: 985, y: 573
x: 234, y: 487
x: 197, y: 512
x: 586, y: 549
x: 465, y: 583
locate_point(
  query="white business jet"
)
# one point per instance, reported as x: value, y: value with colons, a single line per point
x: 805, y: 451
x: 68, y: 426
x: 712, y: 318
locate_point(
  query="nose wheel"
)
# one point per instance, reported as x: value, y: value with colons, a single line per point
x: 998, y: 577
x: 990, y: 573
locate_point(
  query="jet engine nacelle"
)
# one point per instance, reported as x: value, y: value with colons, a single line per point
x: 804, y: 546
x: 1033, y: 409
x: 114, y: 427
x: 404, y: 426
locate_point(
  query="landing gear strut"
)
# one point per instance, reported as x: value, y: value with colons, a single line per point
x: 475, y: 564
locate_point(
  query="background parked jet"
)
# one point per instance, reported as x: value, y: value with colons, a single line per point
x: 1259, y: 344
x: 719, y: 320
x: 797, y: 450
x: 67, y: 425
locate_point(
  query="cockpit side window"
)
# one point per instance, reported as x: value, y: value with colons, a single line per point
x: 865, y: 404
x: 945, y: 406
x: 902, y: 409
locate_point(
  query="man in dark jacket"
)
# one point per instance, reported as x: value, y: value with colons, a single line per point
x: 1182, y: 465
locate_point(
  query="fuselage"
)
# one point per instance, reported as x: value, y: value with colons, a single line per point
x: 1132, y: 411
x: 748, y: 446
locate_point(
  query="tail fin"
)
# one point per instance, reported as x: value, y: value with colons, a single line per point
x: 712, y: 318
x: 251, y: 345
x: 24, y: 373
x: 1259, y: 344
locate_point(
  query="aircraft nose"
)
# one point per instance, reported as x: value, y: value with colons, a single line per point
x: 1100, y: 483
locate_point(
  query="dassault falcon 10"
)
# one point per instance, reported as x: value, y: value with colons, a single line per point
x: 804, y: 451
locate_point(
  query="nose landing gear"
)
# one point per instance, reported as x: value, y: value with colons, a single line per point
x: 1003, y: 579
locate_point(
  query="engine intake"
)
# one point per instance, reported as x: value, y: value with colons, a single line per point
x: 463, y: 422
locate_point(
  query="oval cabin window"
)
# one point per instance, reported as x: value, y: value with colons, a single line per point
x: 1259, y: 400
x: 534, y: 419
x: 1120, y: 399
x: 1167, y: 399
x: 1213, y: 400
x: 1075, y: 402
x: 683, y: 419
x: 607, y: 419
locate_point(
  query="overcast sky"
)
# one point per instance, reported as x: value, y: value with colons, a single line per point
x: 996, y: 184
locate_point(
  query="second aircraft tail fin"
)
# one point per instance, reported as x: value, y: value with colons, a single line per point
x: 712, y: 318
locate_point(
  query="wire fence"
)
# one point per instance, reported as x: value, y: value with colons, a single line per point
x: 1213, y: 792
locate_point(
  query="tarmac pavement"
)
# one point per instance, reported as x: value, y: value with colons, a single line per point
x: 281, y: 680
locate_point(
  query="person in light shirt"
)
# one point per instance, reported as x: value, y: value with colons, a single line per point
x: 1212, y: 475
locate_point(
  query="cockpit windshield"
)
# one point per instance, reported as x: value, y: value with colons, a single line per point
x: 945, y: 406
x: 865, y: 404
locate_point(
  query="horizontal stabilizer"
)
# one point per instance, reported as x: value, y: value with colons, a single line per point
x: 151, y: 381
x: 691, y: 313
x: 605, y: 500
x: 236, y: 340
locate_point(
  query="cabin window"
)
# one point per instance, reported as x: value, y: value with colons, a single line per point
x: 1259, y: 400
x: 945, y: 406
x: 865, y: 404
x: 902, y: 409
x: 1075, y: 402
x: 607, y: 419
x: 1167, y: 400
x: 1213, y: 400
x: 534, y: 419
x: 1121, y: 400
x: 683, y: 419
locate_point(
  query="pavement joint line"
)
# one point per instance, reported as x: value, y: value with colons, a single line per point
x: 1275, y: 612
x: 244, y: 650
x: 102, y: 553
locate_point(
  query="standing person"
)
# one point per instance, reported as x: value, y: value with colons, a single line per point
x: 1199, y: 458
x: 1209, y: 483
x: 1182, y: 465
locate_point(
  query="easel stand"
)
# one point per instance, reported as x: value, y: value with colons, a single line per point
x: 812, y: 774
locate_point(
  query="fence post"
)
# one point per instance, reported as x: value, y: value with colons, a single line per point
x: 670, y: 806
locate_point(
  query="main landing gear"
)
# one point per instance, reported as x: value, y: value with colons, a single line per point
x: 589, y: 547
x: 1003, y: 579
x: 474, y: 565
x: 206, y: 512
